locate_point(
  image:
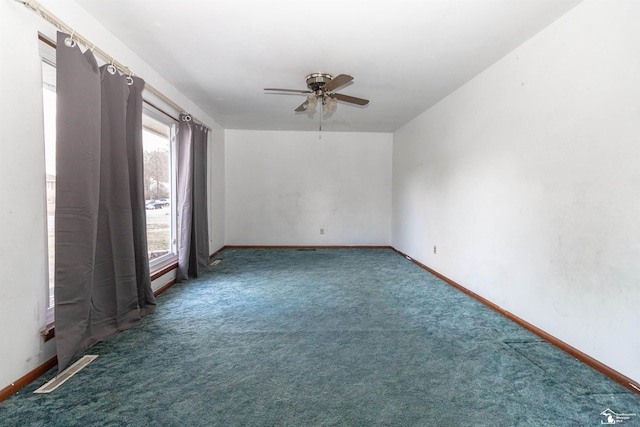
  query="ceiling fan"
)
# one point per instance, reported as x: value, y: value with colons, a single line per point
x: 322, y: 86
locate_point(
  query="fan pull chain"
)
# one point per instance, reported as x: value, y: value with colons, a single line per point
x: 320, y: 126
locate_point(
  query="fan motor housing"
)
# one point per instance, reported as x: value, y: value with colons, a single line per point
x: 315, y: 81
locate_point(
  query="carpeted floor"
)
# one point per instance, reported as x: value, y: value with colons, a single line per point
x: 331, y: 337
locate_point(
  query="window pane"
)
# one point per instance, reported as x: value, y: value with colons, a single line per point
x: 49, y: 107
x: 157, y: 182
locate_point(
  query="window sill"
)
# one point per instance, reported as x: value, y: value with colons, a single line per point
x: 162, y: 269
x: 48, y: 332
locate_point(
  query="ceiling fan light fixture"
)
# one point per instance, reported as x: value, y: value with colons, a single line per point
x: 312, y: 101
x: 329, y: 105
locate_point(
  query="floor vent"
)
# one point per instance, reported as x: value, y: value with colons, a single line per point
x: 66, y: 374
x: 216, y: 262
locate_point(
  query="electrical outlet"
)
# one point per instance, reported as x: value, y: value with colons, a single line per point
x: 435, y: 249
x: 322, y: 231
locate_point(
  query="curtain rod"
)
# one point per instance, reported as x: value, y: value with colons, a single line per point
x: 36, y: 7
x: 48, y: 42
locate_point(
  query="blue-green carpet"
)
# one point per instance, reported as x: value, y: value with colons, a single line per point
x: 330, y: 337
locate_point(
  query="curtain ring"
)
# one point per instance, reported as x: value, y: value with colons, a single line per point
x: 111, y: 68
x: 69, y: 41
x: 186, y: 118
x: 130, y: 77
x: 92, y: 47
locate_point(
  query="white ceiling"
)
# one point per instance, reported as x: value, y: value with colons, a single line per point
x: 404, y: 55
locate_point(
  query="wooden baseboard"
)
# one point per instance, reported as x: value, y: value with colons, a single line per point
x: 216, y: 253
x: 28, y: 378
x: 583, y: 357
x: 164, y: 288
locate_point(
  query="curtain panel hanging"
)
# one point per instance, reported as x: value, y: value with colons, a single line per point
x: 102, y: 281
x: 193, y: 247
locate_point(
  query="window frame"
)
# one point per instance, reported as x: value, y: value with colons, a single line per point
x: 47, y: 54
x: 154, y: 113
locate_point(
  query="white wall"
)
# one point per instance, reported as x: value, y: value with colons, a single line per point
x: 22, y: 211
x: 283, y: 187
x: 527, y: 179
x: 22, y: 214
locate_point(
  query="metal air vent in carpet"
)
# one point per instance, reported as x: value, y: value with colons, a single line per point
x: 66, y: 374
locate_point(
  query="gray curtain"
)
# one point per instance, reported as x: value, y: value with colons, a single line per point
x: 193, y: 246
x: 102, y: 282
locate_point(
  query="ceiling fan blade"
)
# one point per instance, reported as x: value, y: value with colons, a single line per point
x: 287, y: 90
x: 302, y: 107
x: 350, y: 99
x: 336, y: 82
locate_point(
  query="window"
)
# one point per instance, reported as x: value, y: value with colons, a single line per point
x: 47, y: 54
x: 159, y: 186
x: 159, y: 174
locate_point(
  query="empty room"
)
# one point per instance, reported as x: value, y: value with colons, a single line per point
x: 246, y: 213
